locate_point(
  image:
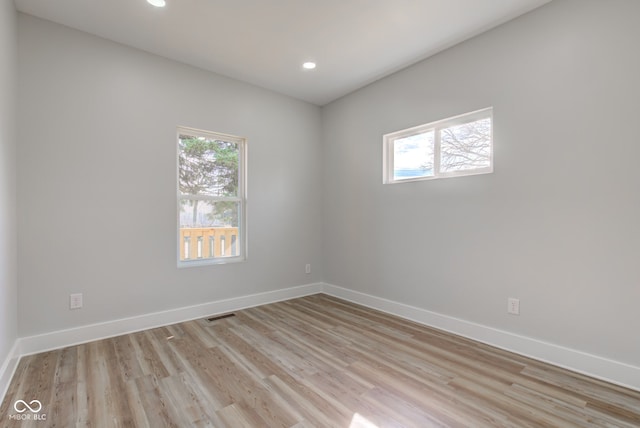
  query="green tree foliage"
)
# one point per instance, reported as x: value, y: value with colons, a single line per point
x: 210, y: 168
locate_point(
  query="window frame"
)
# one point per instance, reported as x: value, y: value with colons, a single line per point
x: 436, y: 127
x: 241, y: 198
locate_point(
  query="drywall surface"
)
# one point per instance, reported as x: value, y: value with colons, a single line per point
x: 8, y: 222
x: 97, y: 181
x: 556, y: 225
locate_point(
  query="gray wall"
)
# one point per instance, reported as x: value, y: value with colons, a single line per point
x: 8, y: 225
x: 558, y: 222
x: 555, y: 225
x: 97, y: 171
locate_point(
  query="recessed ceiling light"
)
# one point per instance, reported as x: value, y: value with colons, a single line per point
x: 157, y: 3
x: 309, y: 65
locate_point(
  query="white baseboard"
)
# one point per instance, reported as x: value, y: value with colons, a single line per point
x: 8, y: 368
x: 74, y: 336
x: 591, y: 365
x: 571, y: 359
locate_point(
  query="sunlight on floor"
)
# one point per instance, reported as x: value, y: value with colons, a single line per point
x: 359, y: 421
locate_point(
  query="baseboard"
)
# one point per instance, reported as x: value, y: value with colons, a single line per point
x: 591, y: 365
x: 74, y: 336
x: 8, y: 368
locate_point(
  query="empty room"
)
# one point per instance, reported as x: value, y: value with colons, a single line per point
x: 336, y: 213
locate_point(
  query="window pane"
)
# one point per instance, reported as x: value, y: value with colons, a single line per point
x: 211, y: 222
x: 465, y: 147
x: 413, y: 156
x: 194, y: 213
x: 208, y: 166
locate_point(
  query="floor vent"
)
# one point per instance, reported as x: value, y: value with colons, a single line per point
x: 219, y: 317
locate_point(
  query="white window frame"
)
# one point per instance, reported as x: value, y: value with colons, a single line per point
x: 436, y: 127
x: 241, y: 197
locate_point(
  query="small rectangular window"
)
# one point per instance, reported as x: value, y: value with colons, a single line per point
x: 461, y: 145
x: 211, y: 196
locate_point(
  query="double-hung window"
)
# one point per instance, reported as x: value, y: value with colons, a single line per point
x: 211, y: 197
x: 461, y: 145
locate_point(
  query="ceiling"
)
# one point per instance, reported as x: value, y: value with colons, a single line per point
x: 265, y: 42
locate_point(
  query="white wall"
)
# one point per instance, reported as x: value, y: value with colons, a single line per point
x: 556, y: 225
x: 96, y: 180
x: 8, y: 225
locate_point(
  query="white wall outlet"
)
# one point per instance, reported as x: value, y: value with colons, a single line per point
x: 75, y: 301
x: 307, y: 268
x: 513, y: 306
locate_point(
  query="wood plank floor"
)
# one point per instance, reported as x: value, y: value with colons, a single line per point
x: 314, y: 361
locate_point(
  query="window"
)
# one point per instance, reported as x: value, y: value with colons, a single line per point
x: 211, y: 197
x: 461, y: 145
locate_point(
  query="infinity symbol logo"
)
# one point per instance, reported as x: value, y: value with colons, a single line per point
x: 21, y: 406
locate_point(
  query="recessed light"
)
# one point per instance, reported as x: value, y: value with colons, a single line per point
x: 309, y: 65
x: 157, y: 3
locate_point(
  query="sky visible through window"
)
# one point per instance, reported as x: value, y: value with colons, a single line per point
x: 210, y: 197
x: 413, y: 156
x: 466, y: 146
x: 458, y: 146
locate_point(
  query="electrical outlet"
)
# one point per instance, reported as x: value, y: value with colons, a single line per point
x: 75, y: 301
x: 513, y: 306
x: 307, y: 268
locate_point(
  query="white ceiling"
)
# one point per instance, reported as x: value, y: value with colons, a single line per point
x: 264, y: 42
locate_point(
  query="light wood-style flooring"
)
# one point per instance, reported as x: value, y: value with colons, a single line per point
x: 313, y: 361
